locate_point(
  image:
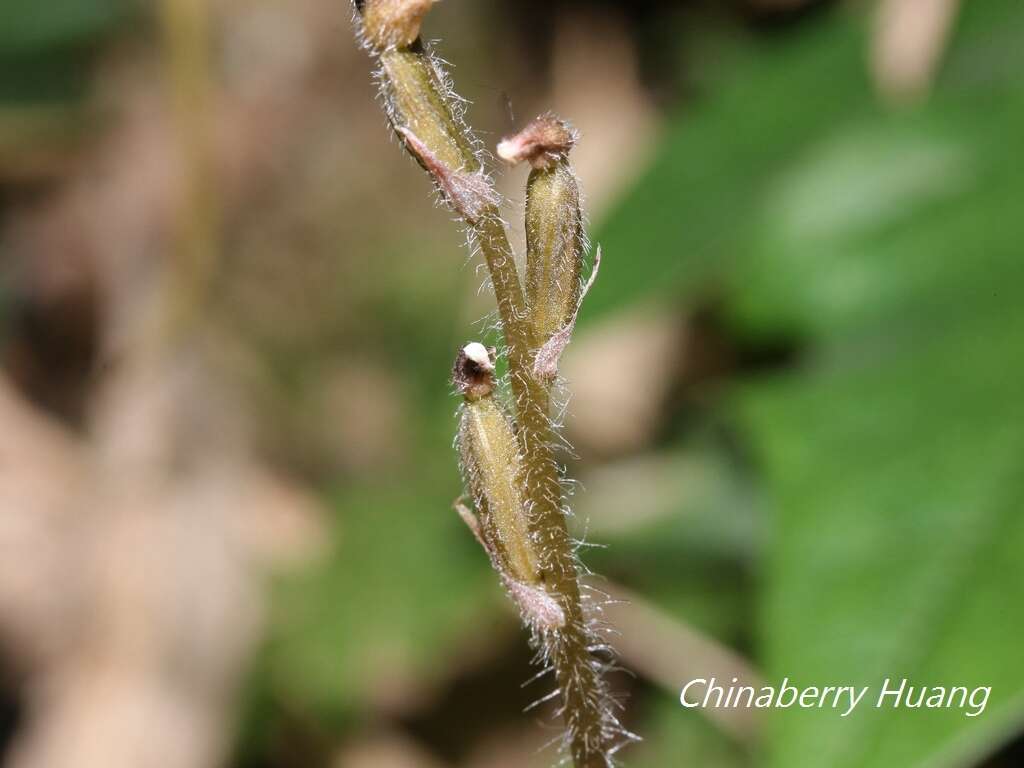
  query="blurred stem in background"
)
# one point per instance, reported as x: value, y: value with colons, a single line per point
x: 193, y: 261
x: 907, y: 44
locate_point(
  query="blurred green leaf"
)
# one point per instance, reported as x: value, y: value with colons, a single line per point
x: 402, y: 584
x: 692, y: 213
x: 682, y: 529
x: 676, y: 736
x: 897, y: 540
x: 893, y: 455
x: 26, y: 25
x: 889, y: 243
x: 45, y: 47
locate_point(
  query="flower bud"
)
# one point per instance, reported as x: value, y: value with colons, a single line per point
x: 554, y: 238
x: 392, y: 23
x: 490, y: 462
x: 426, y: 118
x: 473, y: 372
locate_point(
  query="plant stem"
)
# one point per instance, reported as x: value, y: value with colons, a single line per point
x: 424, y: 113
x: 492, y: 239
x: 584, y: 699
x: 583, y: 696
x: 186, y: 26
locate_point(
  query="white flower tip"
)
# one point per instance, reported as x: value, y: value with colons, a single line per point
x: 478, y: 354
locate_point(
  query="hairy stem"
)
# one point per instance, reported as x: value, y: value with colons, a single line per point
x: 418, y: 101
x: 492, y: 240
x: 426, y: 115
x: 583, y: 696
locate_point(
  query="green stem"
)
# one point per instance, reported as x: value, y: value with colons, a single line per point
x: 186, y: 25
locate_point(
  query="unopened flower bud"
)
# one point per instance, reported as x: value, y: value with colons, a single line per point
x: 554, y: 247
x: 392, y: 23
x: 473, y: 372
x: 490, y: 462
x: 427, y: 119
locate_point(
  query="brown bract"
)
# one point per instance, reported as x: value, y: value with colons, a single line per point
x: 393, y: 23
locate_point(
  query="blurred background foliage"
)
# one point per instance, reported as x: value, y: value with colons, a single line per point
x: 794, y: 383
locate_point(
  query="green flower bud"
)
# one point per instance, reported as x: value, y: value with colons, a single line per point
x: 417, y: 100
x: 555, y: 242
x: 421, y: 111
x: 490, y: 461
x: 554, y: 248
